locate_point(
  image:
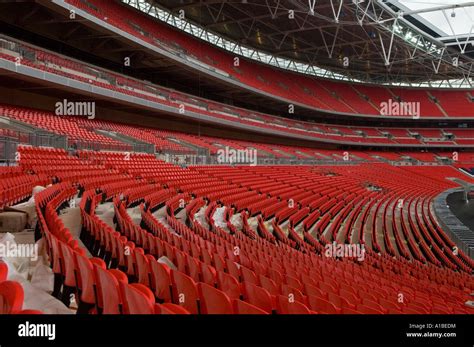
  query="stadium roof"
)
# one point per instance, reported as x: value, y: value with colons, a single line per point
x: 441, y: 17
x: 385, y: 41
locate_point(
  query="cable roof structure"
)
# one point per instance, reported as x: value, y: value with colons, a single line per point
x: 393, y: 42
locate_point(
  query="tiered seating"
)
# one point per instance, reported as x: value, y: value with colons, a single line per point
x: 16, y: 185
x: 62, y: 126
x: 130, y: 280
x: 455, y: 104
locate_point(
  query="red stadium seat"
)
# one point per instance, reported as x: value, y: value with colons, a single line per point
x: 3, y: 271
x: 257, y: 296
x: 285, y: 306
x: 86, y: 281
x: 109, y: 298
x: 213, y: 301
x: 160, y: 281
x: 137, y: 299
x: 228, y: 284
x: 242, y: 307
x: 322, y: 306
x: 11, y: 297
x: 185, y: 292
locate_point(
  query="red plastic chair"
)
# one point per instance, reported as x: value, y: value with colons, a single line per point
x: 242, y: 307
x: 3, y: 271
x: 228, y: 284
x: 294, y: 282
x: 232, y: 269
x: 390, y: 305
x: 142, y: 267
x: 314, y: 291
x: 85, y: 277
x: 339, y: 301
x: 109, y: 299
x: 322, y: 306
x: 181, y: 263
x: 367, y: 309
x: 257, y: 296
x: 11, y: 297
x: 441, y: 310
x: 213, y: 301
x: 137, y: 299
x: 168, y: 308
x: 160, y: 278
x: 185, y: 292
x: 193, y: 268
x: 269, y: 285
x: 209, y: 274
x: 291, y: 292
x: 248, y: 276
x: 349, y: 296
x: 285, y: 306
x: 68, y: 269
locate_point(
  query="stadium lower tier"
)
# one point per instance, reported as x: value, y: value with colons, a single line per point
x: 231, y: 240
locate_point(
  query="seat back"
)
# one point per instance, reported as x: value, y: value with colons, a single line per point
x: 108, y: 290
x: 242, y: 307
x: 11, y: 297
x: 3, y: 271
x: 142, y: 267
x: 160, y: 280
x: 228, y: 284
x: 208, y: 274
x: 257, y: 296
x: 286, y: 306
x: 321, y: 305
x: 137, y: 299
x: 85, y: 277
x: 269, y: 285
x: 185, y: 292
x: 68, y: 267
x: 213, y: 301
x: 248, y: 276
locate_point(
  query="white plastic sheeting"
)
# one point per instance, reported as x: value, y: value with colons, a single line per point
x: 35, y: 277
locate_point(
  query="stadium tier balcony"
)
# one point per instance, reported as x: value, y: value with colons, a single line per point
x: 324, y: 95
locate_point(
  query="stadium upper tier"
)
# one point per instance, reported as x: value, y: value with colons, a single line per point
x: 323, y: 95
x: 180, y: 103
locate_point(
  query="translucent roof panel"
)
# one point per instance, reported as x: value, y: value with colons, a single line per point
x: 442, y: 16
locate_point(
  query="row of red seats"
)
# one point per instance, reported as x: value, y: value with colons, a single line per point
x: 16, y: 186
